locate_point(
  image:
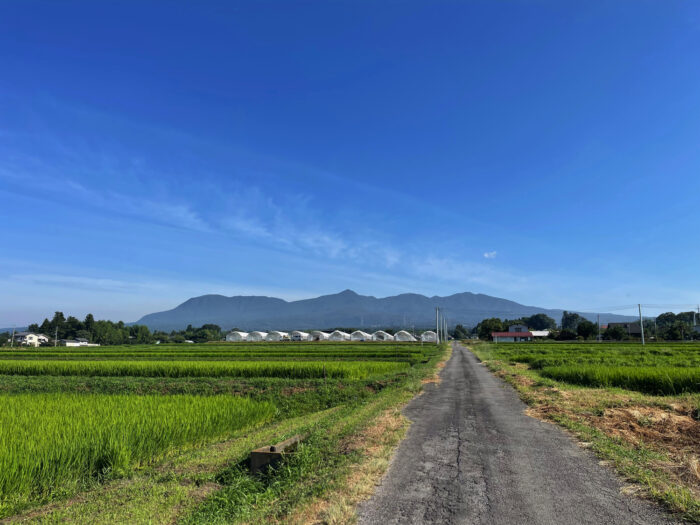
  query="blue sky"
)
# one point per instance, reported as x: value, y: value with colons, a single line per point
x: 546, y: 152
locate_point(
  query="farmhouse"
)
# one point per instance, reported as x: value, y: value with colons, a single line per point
x: 359, y: 335
x: 299, y: 336
x: 275, y: 335
x: 381, y: 335
x: 257, y: 336
x: 428, y: 337
x: 511, y: 337
x: 237, y: 337
x: 30, y: 339
x: 403, y: 335
x: 339, y: 335
x: 317, y: 335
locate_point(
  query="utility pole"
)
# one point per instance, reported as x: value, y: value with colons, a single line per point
x: 437, y: 324
x: 12, y: 341
x: 598, y: 339
x: 55, y: 337
x: 641, y: 322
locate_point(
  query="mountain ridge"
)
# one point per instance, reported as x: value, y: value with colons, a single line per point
x: 346, y: 308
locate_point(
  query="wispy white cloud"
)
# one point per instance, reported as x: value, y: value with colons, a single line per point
x: 469, y: 273
x: 47, y: 187
x: 490, y: 255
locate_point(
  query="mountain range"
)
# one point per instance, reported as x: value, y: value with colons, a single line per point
x: 347, y: 309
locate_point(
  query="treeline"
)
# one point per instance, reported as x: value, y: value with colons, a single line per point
x: 665, y: 327
x: 672, y: 327
x: 111, y: 333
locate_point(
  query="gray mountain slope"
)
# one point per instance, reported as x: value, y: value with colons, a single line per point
x: 346, y: 308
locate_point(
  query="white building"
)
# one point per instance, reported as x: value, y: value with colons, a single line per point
x: 381, y: 335
x: 339, y: 335
x: 237, y: 337
x: 275, y: 335
x: 317, y: 335
x: 539, y: 333
x: 78, y: 341
x: 428, y: 337
x: 257, y: 336
x: 403, y: 335
x: 30, y: 338
x: 299, y: 336
x: 359, y: 335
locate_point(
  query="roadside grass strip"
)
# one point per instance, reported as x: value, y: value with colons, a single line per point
x: 286, y: 369
x: 55, y: 442
x: 660, y: 380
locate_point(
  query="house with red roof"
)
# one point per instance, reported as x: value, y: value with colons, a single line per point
x: 515, y: 334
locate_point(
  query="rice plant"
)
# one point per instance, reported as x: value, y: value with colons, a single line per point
x: 286, y: 369
x: 658, y: 380
x: 59, y: 440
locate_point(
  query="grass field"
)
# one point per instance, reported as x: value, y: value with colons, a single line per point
x: 637, y: 406
x: 75, y: 420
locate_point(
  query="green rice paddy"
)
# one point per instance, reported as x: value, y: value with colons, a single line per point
x: 656, y: 368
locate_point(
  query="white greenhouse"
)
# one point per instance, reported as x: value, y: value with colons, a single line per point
x: 257, y: 336
x: 359, y: 335
x: 299, y: 336
x: 317, y: 335
x: 403, y: 335
x: 237, y: 337
x: 428, y: 337
x: 275, y: 335
x: 381, y: 335
x: 339, y: 335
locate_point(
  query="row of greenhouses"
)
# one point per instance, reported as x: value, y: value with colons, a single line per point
x: 336, y: 335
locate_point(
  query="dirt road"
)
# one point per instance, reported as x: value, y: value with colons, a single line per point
x: 473, y: 457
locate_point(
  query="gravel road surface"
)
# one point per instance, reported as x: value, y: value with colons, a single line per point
x: 472, y: 456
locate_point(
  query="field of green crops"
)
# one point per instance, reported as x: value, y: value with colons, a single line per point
x: 285, y: 369
x: 52, y: 439
x: 656, y: 368
x: 74, y: 417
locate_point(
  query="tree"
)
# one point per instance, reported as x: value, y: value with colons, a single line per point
x: 665, y: 320
x: 485, y: 327
x: 34, y: 328
x: 615, y: 333
x: 83, y: 334
x: 45, y: 327
x: 89, y: 322
x: 570, y: 320
x: 567, y: 335
x: 57, y: 324
x: 143, y: 335
x: 586, y: 329
x: 72, y: 327
x: 460, y: 332
x: 540, y: 322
